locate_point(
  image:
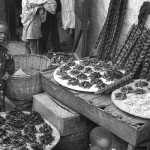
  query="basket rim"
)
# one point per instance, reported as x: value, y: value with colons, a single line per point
x: 32, y: 75
x: 32, y: 55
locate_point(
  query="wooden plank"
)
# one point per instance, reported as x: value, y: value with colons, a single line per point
x: 130, y: 147
x: 122, y: 116
x: 87, y: 96
x: 115, y: 120
x: 140, y: 121
x: 48, y: 74
x: 93, y: 113
x: 104, y: 104
x: 96, y: 101
x: 63, y: 118
x: 118, y: 127
x: 143, y: 132
x: 134, y: 121
x: 110, y: 108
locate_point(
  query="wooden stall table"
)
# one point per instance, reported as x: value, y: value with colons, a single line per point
x: 101, y: 110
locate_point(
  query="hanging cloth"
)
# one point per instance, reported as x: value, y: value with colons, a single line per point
x: 68, y: 15
x: 28, y: 12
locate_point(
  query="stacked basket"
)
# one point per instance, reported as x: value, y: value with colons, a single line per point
x: 21, y: 89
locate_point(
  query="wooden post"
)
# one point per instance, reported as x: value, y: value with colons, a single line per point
x: 11, y: 8
x: 3, y: 10
x: 130, y: 147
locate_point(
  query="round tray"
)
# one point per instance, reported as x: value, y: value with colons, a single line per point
x: 93, y: 88
x: 65, y: 83
x: 131, y: 105
x: 55, y: 133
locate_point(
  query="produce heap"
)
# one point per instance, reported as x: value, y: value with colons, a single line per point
x: 24, y: 131
x: 134, y: 55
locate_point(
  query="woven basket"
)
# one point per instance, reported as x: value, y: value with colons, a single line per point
x: 24, y: 87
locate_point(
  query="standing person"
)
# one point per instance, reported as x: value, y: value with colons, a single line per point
x: 7, y: 65
x: 33, y: 14
x: 68, y: 14
x: 68, y: 19
x: 50, y: 39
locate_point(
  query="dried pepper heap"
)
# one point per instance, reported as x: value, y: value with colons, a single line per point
x: 111, y: 30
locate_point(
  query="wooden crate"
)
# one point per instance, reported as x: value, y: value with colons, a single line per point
x: 100, y: 109
x: 63, y: 118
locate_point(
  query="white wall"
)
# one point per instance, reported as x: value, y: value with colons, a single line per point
x: 97, y: 14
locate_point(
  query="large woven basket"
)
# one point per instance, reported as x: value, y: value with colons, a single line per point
x: 24, y: 87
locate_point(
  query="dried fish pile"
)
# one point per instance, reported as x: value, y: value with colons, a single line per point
x: 23, y: 130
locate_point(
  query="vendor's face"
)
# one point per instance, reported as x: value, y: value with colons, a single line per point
x: 3, y: 33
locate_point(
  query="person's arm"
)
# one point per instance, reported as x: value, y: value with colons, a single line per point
x: 9, y: 66
x: 32, y: 5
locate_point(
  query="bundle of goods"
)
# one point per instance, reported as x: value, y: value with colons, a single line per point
x: 133, y: 56
x: 134, y: 98
x: 26, y: 131
x: 58, y: 58
x: 108, y: 39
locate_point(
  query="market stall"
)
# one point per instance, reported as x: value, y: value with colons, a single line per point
x: 89, y: 84
x: 101, y: 110
x: 111, y: 87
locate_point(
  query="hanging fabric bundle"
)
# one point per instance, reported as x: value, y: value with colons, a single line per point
x: 134, y: 55
x: 109, y: 37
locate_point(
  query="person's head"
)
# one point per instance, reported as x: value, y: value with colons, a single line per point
x: 3, y: 32
x: 100, y: 139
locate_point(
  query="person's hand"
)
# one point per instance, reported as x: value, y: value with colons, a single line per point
x: 32, y: 5
x: 6, y: 76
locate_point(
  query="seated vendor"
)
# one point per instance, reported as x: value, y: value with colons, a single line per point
x: 7, y: 65
x: 100, y: 139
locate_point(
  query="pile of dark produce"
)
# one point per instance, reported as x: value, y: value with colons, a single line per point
x: 24, y: 131
x: 58, y: 58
